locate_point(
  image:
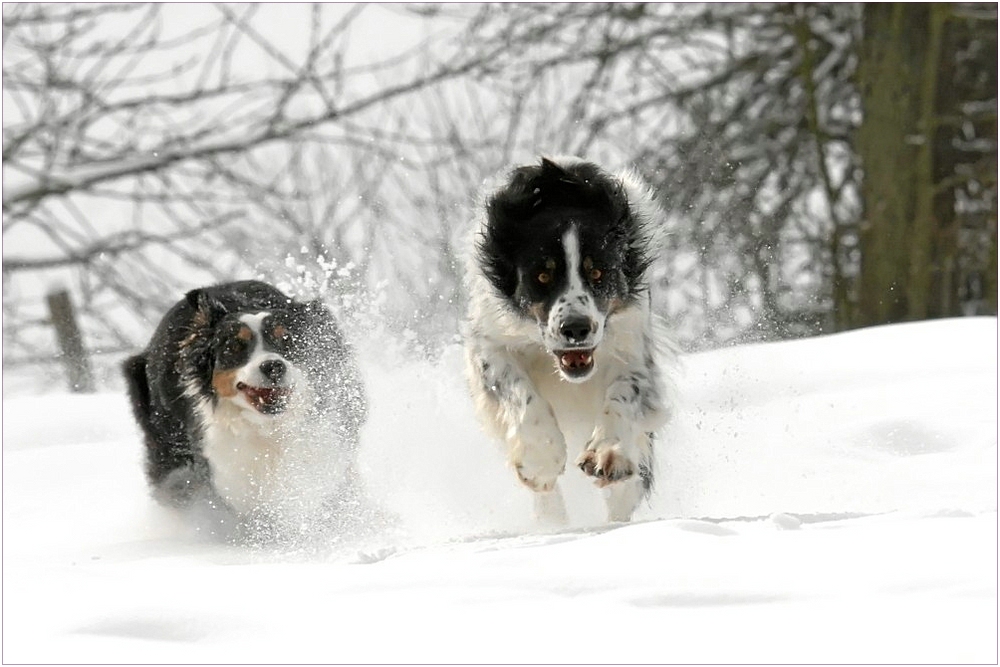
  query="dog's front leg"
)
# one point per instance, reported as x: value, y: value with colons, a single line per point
x: 612, y: 454
x: 619, y: 453
x: 508, y: 400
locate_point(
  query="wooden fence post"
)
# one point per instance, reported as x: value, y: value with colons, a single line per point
x: 81, y: 380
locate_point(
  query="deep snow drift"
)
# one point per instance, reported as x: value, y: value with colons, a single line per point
x: 825, y: 500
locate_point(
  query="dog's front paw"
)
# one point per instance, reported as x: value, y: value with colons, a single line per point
x: 606, y: 464
x: 536, y: 481
x: 538, y: 456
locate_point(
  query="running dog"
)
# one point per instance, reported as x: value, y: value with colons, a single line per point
x: 561, y: 345
x: 249, y: 401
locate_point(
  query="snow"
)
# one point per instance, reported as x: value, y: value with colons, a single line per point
x: 822, y: 501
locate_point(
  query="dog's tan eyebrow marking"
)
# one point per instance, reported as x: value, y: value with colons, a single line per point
x: 244, y: 333
x: 279, y: 331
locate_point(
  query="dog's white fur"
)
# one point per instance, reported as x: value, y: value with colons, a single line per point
x: 543, y: 416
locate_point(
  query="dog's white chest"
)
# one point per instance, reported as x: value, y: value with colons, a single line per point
x: 246, y: 461
x: 574, y: 405
x: 287, y: 466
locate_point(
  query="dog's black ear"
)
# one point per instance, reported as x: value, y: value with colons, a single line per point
x: 309, y: 312
x: 202, y: 299
x: 333, y: 367
x: 515, y: 200
x: 552, y: 170
x: 203, y: 302
x: 192, y: 297
x: 521, y: 181
x: 323, y: 319
x: 318, y: 323
x: 501, y: 273
x: 527, y: 182
x: 316, y: 308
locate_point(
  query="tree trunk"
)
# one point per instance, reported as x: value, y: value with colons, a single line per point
x: 898, y: 77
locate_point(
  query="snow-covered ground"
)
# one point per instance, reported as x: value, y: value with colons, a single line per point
x: 824, y: 501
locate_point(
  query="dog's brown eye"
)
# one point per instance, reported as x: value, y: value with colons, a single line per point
x: 544, y: 277
x: 595, y: 274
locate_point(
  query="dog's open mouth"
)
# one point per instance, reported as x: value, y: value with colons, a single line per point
x: 266, y: 400
x: 576, y: 363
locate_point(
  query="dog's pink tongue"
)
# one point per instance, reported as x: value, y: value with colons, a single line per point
x: 575, y: 359
x: 268, y: 399
x: 266, y: 395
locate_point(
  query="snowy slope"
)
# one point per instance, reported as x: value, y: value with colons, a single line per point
x: 826, y: 500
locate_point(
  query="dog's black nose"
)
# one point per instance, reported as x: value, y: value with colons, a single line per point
x: 576, y: 329
x: 273, y: 369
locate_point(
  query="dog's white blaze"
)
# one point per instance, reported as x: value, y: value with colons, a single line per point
x: 571, y: 246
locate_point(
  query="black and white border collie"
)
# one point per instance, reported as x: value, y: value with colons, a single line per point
x: 561, y: 345
x: 248, y: 401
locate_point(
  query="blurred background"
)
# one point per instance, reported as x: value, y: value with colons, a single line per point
x: 822, y: 167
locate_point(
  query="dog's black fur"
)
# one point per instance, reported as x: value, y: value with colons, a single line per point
x: 175, y: 384
x: 527, y: 218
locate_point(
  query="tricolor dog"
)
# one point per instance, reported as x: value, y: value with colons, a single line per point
x: 249, y: 401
